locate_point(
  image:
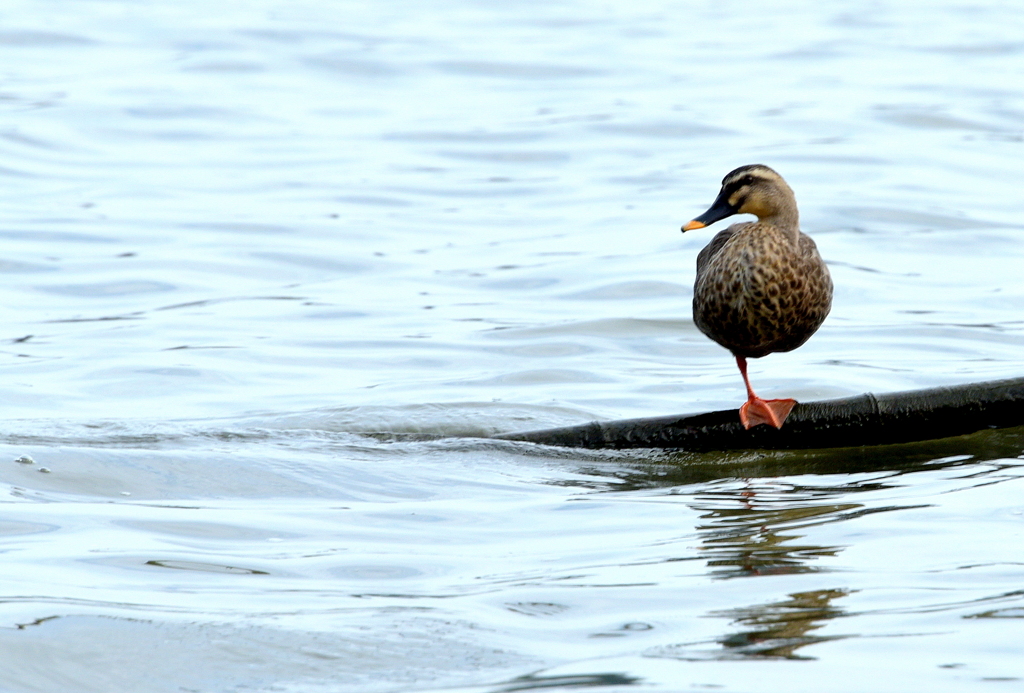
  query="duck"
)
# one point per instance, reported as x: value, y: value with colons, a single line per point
x: 761, y: 286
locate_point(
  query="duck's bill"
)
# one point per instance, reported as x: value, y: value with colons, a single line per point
x: 720, y: 209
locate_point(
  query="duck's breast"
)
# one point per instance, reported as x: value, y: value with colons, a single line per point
x: 756, y: 293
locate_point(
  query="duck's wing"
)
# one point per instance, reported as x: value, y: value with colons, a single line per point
x: 817, y: 281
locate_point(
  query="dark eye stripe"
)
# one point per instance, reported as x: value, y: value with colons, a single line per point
x: 737, y: 184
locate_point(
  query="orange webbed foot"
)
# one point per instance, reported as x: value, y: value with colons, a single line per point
x: 765, y: 411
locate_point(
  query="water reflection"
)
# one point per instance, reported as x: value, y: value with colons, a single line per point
x: 752, y: 528
x: 747, y: 541
x: 774, y: 630
x: 778, y: 629
x: 759, y: 526
x: 532, y: 683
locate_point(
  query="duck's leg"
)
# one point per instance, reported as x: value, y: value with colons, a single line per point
x: 761, y: 411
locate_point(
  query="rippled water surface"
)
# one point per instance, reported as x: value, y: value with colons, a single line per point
x: 270, y: 272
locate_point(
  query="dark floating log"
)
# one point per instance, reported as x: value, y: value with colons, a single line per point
x: 898, y: 417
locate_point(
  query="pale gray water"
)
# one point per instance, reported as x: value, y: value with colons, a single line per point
x: 269, y: 270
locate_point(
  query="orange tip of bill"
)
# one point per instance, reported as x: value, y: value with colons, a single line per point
x: 691, y: 225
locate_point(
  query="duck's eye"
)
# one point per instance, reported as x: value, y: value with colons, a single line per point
x: 747, y: 180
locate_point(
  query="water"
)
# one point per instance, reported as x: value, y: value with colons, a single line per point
x: 270, y: 270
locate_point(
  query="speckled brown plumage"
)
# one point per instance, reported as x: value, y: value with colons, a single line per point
x: 761, y: 286
x: 756, y: 294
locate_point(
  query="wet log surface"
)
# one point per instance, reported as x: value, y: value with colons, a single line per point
x: 898, y: 417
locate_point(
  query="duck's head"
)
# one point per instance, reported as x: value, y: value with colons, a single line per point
x: 754, y: 189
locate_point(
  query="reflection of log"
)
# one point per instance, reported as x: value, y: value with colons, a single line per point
x: 898, y: 417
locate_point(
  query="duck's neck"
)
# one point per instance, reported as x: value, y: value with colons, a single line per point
x: 787, y: 219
